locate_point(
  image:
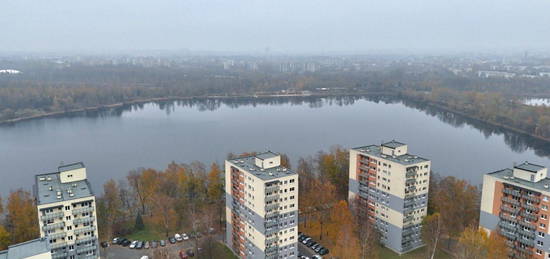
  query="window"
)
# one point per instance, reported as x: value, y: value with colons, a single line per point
x: 544, y: 207
x: 67, y: 207
x: 543, y: 216
x: 68, y: 218
x: 291, y: 180
x: 540, y: 243
x: 542, y: 225
x: 539, y: 252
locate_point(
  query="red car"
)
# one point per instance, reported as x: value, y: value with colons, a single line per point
x: 186, y: 255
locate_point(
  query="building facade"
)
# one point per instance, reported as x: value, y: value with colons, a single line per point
x: 514, y: 204
x: 390, y: 188
x: 34, y: 249
x: 66, y: 212
x: 261, y: 207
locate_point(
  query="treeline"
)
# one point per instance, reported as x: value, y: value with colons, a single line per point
x: 18, y: 219
x: 491, y: 107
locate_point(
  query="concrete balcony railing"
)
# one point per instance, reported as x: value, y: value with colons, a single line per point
x: 82, y: 210
x: 511, y: 236
x: 508, y: 218
x: 527, y: 242
x: 86, y: 249
x: 85, y: 239
x: 52, y: 215
x: 272, y: 198
x: 59, y: 255
x: 57, y: 235
x: 529, y: 234
x: 53, y: 226
x: 83, y: 220
x: 528, y: 216
x: 509, y: 209
x: 511, y: 201
x: 271, y: 240
x: 271, y: 223
x: 531, y: 198
x: 271, y: 206
x: 271, y: 250
x: 507, y: 227
x: 272, y: 188
x: 271, y: 230
x: 58, y: 245
x: 84, y: 229
x: 272, y: 213
x: 530, y: 207
x: 511, y: 192
x: 525, y: 224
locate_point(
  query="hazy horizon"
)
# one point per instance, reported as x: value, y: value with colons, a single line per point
x: 291, y: 27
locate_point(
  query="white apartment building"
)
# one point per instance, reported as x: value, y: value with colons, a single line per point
x: 33, y: 249
x: 261, y: 207
x: 66, y: 212
x: 390, y: 187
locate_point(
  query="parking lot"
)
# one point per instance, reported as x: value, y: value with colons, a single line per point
x: 307, y: 249
x: 118, y: 251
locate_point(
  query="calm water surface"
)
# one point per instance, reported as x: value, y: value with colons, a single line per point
x: 113, y: 142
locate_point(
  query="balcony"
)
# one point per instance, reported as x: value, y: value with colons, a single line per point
x: 524, y: 250
x: 82, y: 210
x: 511, y: 201
x: 272, y: 188
x: 528, y: 234
x: 528, y: 216
x: 531, y: 198
x: 527, y: 225
x: 52, y: 215
x: 85, y: 229
x: 84, y: 240
x: 410, y: 181
x: 272, y: 250
x: 508, y: 218
x: 530, y: 207
x: 509, y: 209
x: 58, y: 245
x: 57, y: 235
x: 271, y: 206
x: 507, y: 227
x: 273, y: 213
x: 83, y: 220
x: 53, y: 226
x: 512, y: 192
x: 86, y: 249
x: 527, y: 242
x: 271, y: 230
x: 272, y: 198
x: 58, y: 255
x: 508, y: 235
x: 271, y: 240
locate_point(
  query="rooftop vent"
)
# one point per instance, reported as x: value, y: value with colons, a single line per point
x: 71, y: 195
x: 49, y: 178
x: 511, y: 177
x: 271, y: 174
x: 506, y: 177
x: 546, y: 186
x: 58, y: 193
x: 74, y: 185
x: 42, y: 178
x: 50, y: 188
x: 284, y: 169
x: 58, y: 197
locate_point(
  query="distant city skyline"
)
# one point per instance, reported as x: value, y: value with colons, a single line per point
x: 281, y: 27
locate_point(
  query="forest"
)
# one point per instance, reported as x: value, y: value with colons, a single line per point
x: 191, y: 197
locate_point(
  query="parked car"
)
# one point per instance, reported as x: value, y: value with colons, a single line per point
x: 178, y: 237
x: 139, y: 245
x: 154, y: 244
x: 126, y: 242
x: 185, y: 236
x: 315, y: 246
x: 318, y: 248
x: 162, y: 243
x: 116, y: 240
x: 144, y: 257
x: 133, y: 244
x: 323, y: 251
x: 317, y: 257
x: 306, y: 240
x: 183, y: 255
x: 147, y: 245
x: 172, y: 240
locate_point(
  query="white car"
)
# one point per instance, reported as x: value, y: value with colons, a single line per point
x: 317, y: 257
x: 185, y: 236
x: 144, y: 257
x: 133, y: 244
x: 178, y: 237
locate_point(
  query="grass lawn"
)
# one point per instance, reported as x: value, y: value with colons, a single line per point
x: 145, y: 235
x: 221, y: 251
x: 420, y: 253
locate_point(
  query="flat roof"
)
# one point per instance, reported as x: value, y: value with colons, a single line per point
x: 249, y: 164
x: 26, y: 249
x: 506, y: 176
x: 70, y: 167
x: 529, y: 167
x: 48, y: 186
x: 393, y: 144
x: 406, y: 159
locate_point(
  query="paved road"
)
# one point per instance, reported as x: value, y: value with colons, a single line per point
x: 304, y: 250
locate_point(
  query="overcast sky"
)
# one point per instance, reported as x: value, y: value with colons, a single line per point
x: 286, y: 26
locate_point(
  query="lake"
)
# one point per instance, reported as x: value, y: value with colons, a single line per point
x: 112, y: 142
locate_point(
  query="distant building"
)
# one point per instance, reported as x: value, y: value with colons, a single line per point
x: 495, y: 74
x: 67, y: 212
x: 261, y: 207
x: 390, y: 187
x: 34, y: 249
x: 514, y: 204
x: 9, y: 71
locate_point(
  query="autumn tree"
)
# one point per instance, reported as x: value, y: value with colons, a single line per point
x: 431, y: 233
x: 111, y: 211
x: 472, y: 244
x: 369, y: 237
x: 334, y: 166
x: 5, y: 239
x: 22, y: 217
x: 496, y: 246
x: 457, y: 203
x: 342, y: 229
x: 165, y: 215
x: 215, y: 184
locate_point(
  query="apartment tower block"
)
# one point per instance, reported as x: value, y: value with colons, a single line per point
x: 261, y: 207
x: 66, y: 212
x: 390, y: 188
x: 514, y: 204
